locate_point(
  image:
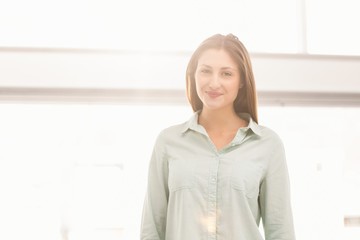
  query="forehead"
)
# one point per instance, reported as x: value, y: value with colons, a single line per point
x: 216, y: 58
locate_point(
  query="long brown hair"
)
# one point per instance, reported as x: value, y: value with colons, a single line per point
x: 246, y: 100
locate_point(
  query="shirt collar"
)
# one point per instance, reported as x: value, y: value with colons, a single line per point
x: 252, y: 124
x: 193, y: 124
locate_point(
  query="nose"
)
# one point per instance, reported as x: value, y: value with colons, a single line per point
x: 214, y: 82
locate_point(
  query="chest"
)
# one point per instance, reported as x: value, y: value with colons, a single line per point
x: 240, y: 169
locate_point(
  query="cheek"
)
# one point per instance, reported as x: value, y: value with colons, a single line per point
x: 233, y: 89
x: 199, y: 83
x: 236, y: 85
x: 198, y: 87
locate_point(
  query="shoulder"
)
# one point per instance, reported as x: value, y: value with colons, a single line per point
x: 270, y: 136
x: 171, y: 131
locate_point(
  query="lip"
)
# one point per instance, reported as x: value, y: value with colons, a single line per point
x: 213, y: 94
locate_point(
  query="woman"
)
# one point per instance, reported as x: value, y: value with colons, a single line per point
x: 216, y: 175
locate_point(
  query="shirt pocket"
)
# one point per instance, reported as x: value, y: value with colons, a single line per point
x: 246, y: 180
x: 181, y: 175
x: 249, y: 190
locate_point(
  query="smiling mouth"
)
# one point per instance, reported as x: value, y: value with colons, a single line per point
x: 213, y: 94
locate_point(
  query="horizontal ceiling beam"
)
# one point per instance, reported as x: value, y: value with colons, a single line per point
x: 110, y: 69
x: 166, y: 96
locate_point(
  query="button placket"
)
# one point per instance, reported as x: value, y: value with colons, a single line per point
x: 212, y: 198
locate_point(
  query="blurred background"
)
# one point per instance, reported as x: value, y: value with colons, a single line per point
x: 86, y: 86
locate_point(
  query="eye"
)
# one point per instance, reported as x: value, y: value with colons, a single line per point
x: 204, y: 71
x: 227, y: 74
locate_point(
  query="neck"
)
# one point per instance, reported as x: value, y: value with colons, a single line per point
x: 221, y: 120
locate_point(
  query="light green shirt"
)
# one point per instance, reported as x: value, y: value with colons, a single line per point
x: 196, y: 192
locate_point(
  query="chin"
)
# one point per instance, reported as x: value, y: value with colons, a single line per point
x: 216, y: 107
x: 212, y: 107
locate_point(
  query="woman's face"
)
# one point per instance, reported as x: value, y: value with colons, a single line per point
x: 217, y: 79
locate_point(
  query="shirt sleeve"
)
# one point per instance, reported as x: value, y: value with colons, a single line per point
x: 275, y: 203
x: 153, y: 225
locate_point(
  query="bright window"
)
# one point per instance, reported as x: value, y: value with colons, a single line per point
x: 279, y: 26
x: 332, y: 27
x: 159, y: 25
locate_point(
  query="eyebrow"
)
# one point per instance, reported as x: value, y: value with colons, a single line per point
x: 224, y: 68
